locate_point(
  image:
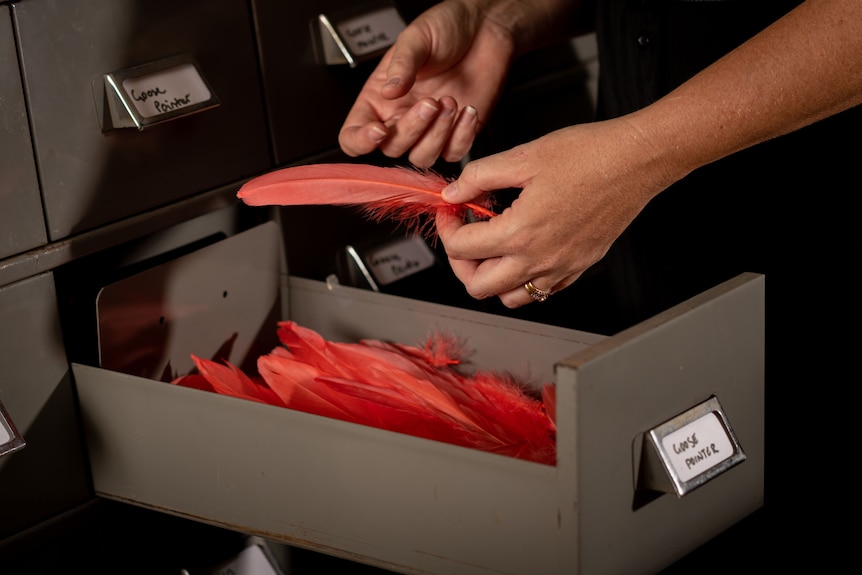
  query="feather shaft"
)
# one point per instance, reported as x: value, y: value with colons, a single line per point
x: 392, y: 192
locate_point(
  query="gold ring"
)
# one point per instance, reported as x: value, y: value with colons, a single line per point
x: 536, y: 293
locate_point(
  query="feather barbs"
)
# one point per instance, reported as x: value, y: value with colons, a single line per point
x: 397, y: 387
x: 397, y: 193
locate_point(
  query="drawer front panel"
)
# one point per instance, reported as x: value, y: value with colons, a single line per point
x: 47, y: 476
x: 91, y: 177
x: 21, y: 219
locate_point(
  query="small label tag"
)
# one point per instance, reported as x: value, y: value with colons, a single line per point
x: 152, y: 93
x: 371, y: 32
x: 167, y: 90
x: 399, y: 259
x: 689, y: 450
x: 698, y: 446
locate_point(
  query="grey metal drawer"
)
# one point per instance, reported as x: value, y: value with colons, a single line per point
x: 90, y: 176
x: 415, y: 505
x: 21, y: 219
x: 48, y: 475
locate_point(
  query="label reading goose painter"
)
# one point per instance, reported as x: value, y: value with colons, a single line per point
x: 167, y: 90
x: 697, y: 447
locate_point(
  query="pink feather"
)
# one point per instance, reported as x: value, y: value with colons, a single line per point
x: 397, y: 193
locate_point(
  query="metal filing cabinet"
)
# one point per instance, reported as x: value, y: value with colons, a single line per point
x: 48, y: 475
x: 150, y: 197
x: 401, y: 502
x: 92, y: 176
x: 36, y: 391
x: 21, y: 219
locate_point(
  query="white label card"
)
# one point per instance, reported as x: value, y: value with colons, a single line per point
x: 400, y: 259
x: 166, y: 90
x: 698, y: 446
x: 371, y: 32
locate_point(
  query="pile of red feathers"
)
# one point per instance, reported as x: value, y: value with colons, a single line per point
x: 423, y: 392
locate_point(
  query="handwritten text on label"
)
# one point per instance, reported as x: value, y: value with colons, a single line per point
x: 167, y: 90
x: 697, y: 447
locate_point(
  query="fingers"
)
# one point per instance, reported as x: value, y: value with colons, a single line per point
x: 431, y: 130
x: 463, y: 134
x: 430, y: 143
x: 479, y: 270
x: 495, y: 172
x: 531, y: 291
x: 488, y: 272
x: 408, y: 54
x: 360, y: 140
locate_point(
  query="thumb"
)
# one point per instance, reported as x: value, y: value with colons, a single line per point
x: 407, y: 56
x: 483, y: 176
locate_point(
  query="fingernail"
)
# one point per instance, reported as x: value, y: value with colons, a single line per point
x: 470, y: 116
x: 449, y: 191
x: 396, y: 81
x: 447, y: 111
x: 376, y: 134
x: 427, y: 111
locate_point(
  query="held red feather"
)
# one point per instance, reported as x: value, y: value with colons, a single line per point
x: 397, y: 193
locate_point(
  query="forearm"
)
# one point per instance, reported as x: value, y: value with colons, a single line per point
x: 805, y: 67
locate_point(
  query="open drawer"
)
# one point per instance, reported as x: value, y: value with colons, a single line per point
x: 400, y: 502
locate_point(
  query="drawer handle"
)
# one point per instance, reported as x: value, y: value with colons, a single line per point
x: 153, y: 93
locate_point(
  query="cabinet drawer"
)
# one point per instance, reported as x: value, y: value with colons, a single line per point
x: 417, y: 505
x: 21, y: 216
x: 92, y: 176
x: 48, y: 475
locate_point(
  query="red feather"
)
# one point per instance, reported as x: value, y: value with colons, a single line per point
x: 401, y: 388
x: 397, y: 193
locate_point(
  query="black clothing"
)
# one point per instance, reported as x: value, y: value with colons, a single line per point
x: 712, y: 225
x: 776, y: 208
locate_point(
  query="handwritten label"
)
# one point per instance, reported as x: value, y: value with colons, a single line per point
x: 398, y: 260
x: 166, y: 91
x: 371, y: 32
x: 698, y: 446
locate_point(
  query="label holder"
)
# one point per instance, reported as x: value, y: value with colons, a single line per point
x: 689, y: 450
x: 156, y: 92
x: 351, y: 37
x: 10, y: 439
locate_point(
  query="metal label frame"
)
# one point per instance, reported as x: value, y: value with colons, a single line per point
x: 122, y: 112
x: 662, y: 473
x: 15, y: 441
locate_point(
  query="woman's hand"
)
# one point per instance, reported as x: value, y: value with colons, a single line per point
x: 581, y: 186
